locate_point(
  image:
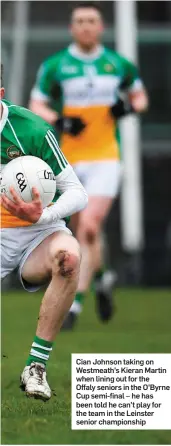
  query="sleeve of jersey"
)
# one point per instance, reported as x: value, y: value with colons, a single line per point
x: 132, y: 80
x: 44, y: 82
x: 73, y: 195
x: 50, y: 152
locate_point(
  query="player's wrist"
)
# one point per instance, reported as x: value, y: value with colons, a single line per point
x: 47, y: 217
x: 44, y: 218
x: 64, y: 124
x: 121, y: 109
x: 72, y: 125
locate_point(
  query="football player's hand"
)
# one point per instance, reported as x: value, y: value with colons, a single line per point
x: 71, y: 125
x: 26, y: 211
x: 121, y: 108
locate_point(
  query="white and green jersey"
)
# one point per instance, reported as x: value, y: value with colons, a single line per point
x: 24, y: 133
x: 86, y: 86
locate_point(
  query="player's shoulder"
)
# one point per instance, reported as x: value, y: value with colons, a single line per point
x: 116, y: 58
x: 31, y: 123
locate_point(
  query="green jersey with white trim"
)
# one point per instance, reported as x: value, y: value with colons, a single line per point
x: 87, y: 86
x: 24, y: 133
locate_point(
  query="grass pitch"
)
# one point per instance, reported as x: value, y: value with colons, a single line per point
x: 142, y: 325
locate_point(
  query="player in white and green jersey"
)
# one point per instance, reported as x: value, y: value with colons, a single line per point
x: 41, y: 142
x: 37, y: 242
x: 83, y: 90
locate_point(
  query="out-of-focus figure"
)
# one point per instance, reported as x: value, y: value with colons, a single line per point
x: 83, y: 90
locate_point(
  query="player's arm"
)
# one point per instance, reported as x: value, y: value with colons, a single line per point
x: 138, y: 100
x: 73, y: 198
x: 73, y: 195
x: 41, y: 108
x: 45, y: 89
x: 41, y: 94
x: 132, y: 96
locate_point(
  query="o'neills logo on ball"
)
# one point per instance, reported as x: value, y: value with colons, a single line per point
x: 21, y: 181
x: 13, y: 152
x: 48, y: 175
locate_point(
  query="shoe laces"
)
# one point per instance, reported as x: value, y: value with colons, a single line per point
x: 39, y: 370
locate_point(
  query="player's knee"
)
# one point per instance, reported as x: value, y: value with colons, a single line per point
x: 88, y: 230
x: 90, y: 235
x: 69, y: 264
x: 66, y: 262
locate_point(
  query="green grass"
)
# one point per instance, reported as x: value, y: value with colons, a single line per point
x: 142, y: 324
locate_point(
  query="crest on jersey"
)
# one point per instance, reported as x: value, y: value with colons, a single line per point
x: 13, y: 152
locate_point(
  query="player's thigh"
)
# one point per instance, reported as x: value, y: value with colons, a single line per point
x: 38, y: 266
x: 74, y: 221
x: 97, y: 210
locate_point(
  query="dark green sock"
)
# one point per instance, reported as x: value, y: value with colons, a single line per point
x: 79, y: 297
x: 40, y: 351
x: 99, y: 273
x: 78, y: 302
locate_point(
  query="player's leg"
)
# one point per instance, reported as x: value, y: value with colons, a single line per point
x: 88, y: 234
x: 102, y: 185
x: 92, y: 252
x: 57, y: 260
x: 80, y: 170
x: 89, y: 237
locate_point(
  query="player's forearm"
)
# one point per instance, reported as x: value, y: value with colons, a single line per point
x: 133, y: 103
x: 68, y: 204
x: 139, y: 101
x: 73, y: 198
x: 43, y: 110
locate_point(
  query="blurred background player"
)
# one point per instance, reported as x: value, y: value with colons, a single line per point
x: 84, y: 83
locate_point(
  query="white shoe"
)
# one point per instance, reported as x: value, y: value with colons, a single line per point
x: 33, y: 380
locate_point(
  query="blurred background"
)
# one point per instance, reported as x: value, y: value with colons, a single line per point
x: 139, y: 233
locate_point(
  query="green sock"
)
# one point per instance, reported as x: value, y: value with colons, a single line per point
x: 79, y: 297
x: 99, y: 273
x: 40, y: 351
x: 78, y: 302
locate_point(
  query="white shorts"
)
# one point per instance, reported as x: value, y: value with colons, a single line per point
x: 100, y: 178
x: 18, y: 243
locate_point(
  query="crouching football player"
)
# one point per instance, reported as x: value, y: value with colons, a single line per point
x: 37, y: 241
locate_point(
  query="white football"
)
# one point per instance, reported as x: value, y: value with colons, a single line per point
x: 26, y: 172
